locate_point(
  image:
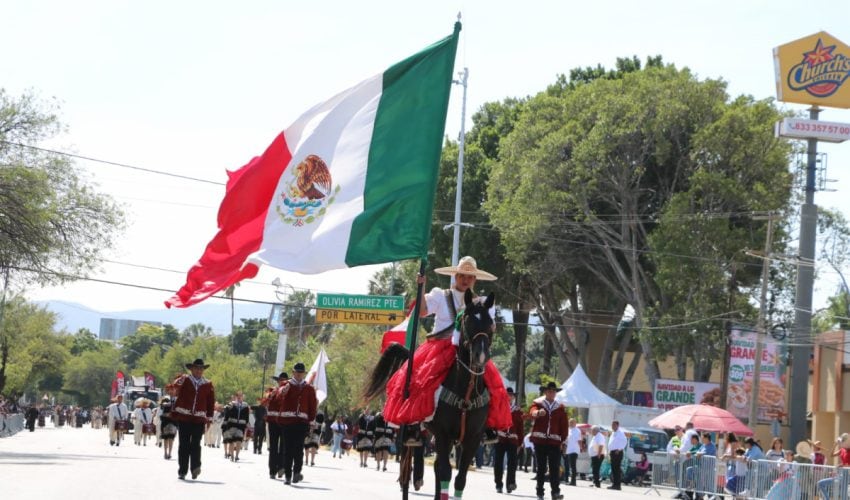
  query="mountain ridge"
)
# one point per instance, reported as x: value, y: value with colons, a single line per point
x: 71, y: 316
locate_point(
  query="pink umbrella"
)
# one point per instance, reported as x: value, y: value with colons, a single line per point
x: 704, y: 417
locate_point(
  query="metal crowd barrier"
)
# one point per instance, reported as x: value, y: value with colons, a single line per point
x: 11, y: 424
x: 705, y: 476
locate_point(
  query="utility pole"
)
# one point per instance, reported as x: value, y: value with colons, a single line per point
x: 760, y: 328
x: 464, y: 76
x: 802, y: 333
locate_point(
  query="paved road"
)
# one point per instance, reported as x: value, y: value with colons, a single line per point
x: 73, y: 464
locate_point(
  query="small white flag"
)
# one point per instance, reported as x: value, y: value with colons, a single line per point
x: 318, y: 377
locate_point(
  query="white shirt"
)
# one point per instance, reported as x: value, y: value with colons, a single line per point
x: 143, y: 415
x: 339, y: 427
x: 617, y: 441
x: 574, y: 440
x: 116, y: 411
x: 686, y: 439
x: 597, y: 441
x: 435, y: 301
x: 526, y: 441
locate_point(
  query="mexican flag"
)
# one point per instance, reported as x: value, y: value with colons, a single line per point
x: 350, y: 183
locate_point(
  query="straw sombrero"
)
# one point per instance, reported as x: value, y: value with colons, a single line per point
x: 466, y: 265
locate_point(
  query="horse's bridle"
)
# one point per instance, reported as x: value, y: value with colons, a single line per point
x: 468, y: 345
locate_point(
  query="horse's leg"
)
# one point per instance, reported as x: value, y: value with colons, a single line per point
x: 442, y: 467
x: 470, y: 447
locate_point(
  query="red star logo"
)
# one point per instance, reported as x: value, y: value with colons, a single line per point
x: 820, y: 54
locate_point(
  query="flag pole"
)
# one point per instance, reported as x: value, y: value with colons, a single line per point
x: 414, y: 327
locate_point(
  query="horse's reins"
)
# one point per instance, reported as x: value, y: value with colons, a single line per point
x: 470, y: 387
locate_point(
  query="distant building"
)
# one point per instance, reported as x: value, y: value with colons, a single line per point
x: 116, y: 329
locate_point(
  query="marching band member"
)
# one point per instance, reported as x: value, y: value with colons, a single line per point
x: 274, y: 403
x: 168, y: 428
x: 233, y: 428
x: 383, y: 436
x: 548, y: 432
x: 144, y: 421
x: 193, y: 410
x: 509, y: 440
x: 311, y: 442
x: 259, y: 412
x: 117, y: 415
x: 212, y: 435
x: 364, y: 438
x: 299, y: 409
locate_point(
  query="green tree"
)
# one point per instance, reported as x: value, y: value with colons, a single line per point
x: 90, y: 375
x: 243, y: 335
x: 83, y: 341
x: 31, y: 353
x: 195, y: 331
x: 53, y: 226
x: 399, y: 279
x: 264, y: 349
x: 588, y: 175
x: 137, y: 345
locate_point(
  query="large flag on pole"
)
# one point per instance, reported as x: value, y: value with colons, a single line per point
x: 318, y: 377
x: 350, y: 183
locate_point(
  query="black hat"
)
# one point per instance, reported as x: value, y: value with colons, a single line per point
x: 282, y: 376
x: 510, y: 390
x: 299, y: 368
x: 198, y: 362
x: 551, y: 386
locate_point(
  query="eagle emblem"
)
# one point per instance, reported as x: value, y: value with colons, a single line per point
x: 308, y: 194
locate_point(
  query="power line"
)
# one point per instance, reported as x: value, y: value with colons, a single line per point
x: 113, y: 163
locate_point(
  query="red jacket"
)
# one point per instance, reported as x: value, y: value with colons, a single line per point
x: 193, y: 405
x: 275, y: 404
x: 552, y: 427
x: 299, y: 403
x: 515, y: 432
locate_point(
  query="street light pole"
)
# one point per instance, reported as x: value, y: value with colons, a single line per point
x: 760, y: 329
x: 464, y: 76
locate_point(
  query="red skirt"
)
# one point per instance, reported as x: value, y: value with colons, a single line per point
x: 431, y: 364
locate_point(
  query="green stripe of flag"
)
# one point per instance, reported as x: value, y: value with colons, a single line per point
x: 404, y: 158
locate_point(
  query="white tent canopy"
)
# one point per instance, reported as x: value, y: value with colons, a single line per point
x: 579, y: 392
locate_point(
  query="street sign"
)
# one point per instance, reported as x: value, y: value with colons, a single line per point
x: 394, y: 303
x: 799, y: 128
x: 361, y: 316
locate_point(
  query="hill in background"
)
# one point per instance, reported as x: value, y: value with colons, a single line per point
x: 72, y: 316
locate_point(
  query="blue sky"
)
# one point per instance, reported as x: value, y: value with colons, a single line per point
x: 195, y: 88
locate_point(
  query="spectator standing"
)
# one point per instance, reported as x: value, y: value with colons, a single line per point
x: 775, y: 452
x: 596, y: 450
x: 339, y: 429
x: 617, y: 443
x: 573, y: 449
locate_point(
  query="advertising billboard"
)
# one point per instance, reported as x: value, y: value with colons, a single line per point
x: 813, y: 70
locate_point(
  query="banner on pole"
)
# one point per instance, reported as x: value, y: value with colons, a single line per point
x: 771, y: 396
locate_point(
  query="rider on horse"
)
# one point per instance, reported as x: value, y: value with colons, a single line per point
x: 433, y: 360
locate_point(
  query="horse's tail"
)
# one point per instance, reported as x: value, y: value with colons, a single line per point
x: 391, y: 360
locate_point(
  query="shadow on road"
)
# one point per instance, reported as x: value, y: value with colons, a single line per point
x: 40, y: 457
x: 317, y: 488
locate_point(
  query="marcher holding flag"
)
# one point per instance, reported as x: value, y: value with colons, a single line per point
x: 433, y: 360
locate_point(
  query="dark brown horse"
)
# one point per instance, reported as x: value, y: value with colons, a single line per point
x: 464, y: 400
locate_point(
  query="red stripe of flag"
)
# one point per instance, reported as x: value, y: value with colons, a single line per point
x: 241, y: 221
